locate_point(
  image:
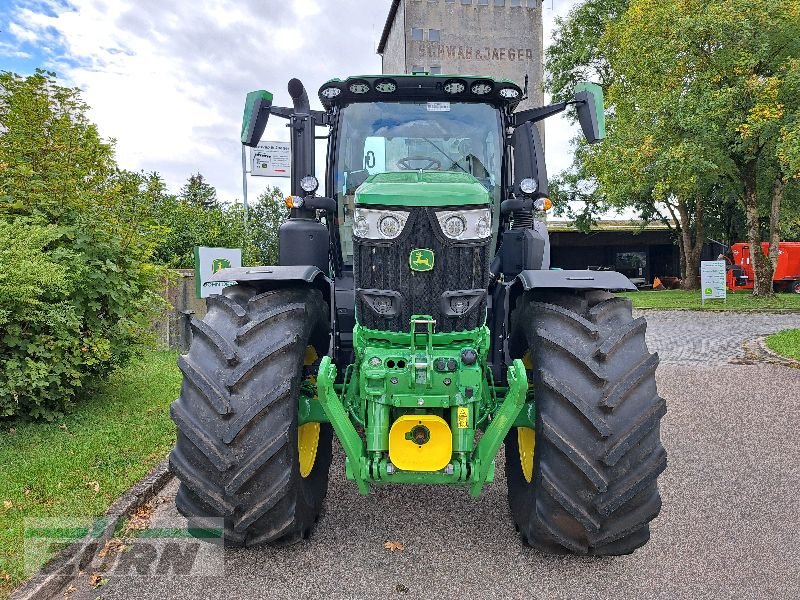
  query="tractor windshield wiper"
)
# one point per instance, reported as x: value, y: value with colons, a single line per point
x: 450, y: 158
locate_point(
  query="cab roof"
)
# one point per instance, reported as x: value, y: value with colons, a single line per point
x: 443, y: 88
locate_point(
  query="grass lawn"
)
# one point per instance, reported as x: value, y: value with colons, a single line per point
x: 786, y: 343
x: 80, y: 464
x: 742, y: 300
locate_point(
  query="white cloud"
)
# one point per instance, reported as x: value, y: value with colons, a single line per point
x: 558, y: 130
x: 167, y: 80
x: 306, y: 8
x: 21, y: 33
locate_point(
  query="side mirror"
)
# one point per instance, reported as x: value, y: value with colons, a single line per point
x: 591, y: 115
x: 256, y: 113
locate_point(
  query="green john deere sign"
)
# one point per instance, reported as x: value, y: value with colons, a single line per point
x: 209, y: 261
x: 421, y: 259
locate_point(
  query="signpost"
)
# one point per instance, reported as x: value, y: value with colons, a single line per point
x: 267, y: 159
x: 271, y: 159
x: 712, y: 281
x: 208, y: 261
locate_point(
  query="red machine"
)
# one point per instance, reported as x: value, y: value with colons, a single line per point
x: 787, y: 273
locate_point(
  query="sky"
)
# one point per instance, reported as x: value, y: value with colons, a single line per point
x: 167, y: 79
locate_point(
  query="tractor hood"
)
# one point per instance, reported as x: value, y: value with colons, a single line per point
x: 422, y: 188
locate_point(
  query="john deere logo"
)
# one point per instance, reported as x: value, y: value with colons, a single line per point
x: 220, y: 263
x: 421, y: 260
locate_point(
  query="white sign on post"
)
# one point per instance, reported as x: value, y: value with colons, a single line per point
x: 712, y: 281
x: 208, y: 261
x: 271, y: 159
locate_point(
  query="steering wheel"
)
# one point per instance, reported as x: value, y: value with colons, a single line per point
x: 431, y: 163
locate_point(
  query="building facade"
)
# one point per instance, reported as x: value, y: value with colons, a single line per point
x: 494, y: 38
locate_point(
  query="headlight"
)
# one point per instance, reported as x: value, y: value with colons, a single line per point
x: 389, y: 226
x: 309, y: 184
x: 465, y: 224
x: 360, y: 227
x: 377, y: 224
x: 528, y: 186
x: 483, y: 228
x: 454, y: 226
x: 331, y: 92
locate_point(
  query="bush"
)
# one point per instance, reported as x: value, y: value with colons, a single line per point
x: 77, y: 288
x: 74, y: 305
x: 41, y: 351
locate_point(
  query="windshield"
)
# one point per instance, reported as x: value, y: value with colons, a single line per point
x: 400, y: 136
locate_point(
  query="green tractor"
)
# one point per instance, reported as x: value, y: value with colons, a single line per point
x: 415, y: 316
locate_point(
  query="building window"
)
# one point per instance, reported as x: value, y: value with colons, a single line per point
x: 417, y: 69
x: 466, y: 1
x: 450, y: 1
x: 499, y: 2
x: 434, y: 35
x: 515, y: 2
x: 416, y: 34
x: 533, y: 3
x: 483, y: 2
x: 435, y: 70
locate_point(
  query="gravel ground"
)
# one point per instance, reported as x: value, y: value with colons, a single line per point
x: 728, y: 528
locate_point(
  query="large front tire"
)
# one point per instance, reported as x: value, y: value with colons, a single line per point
x: 591, y: 488
x: 237, y: 455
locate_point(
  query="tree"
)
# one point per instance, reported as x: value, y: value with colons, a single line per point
x: 185, y: 225
x: 706, y: 97
x: 79, y: 298
x: 575, y: 54
x: 197, y: 192
x: 52, y: 159
x: 266, y: 216
x: 654, y: 60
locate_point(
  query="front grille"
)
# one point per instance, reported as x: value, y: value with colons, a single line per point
x: 384, y: 265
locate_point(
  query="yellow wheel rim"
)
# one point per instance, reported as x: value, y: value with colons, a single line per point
x: 527, y: 361
x: 308, y: 434
x: 526, y: 437
x: 307, y: 442
x: 526, y: 441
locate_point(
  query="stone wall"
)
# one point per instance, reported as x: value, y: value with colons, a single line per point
x: 173, y: 326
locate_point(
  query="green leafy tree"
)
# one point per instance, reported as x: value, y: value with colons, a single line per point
x: 575, y: 54
x: 77, y: 288
x: 702, y: 109
x: 198, y: 192
x: 266, y: 216
x: 185, y: 225
x: 595, y: 184
x: 706, y: 99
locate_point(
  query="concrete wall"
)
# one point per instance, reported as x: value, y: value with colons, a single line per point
x: 497, y: 41
x: 394, y: 56
x: 172, y: 328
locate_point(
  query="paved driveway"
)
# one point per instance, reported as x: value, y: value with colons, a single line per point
x: 729, y: 528
x: 709, y: 338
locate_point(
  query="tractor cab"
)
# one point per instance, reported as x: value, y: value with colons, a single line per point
x: 394, y: 133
